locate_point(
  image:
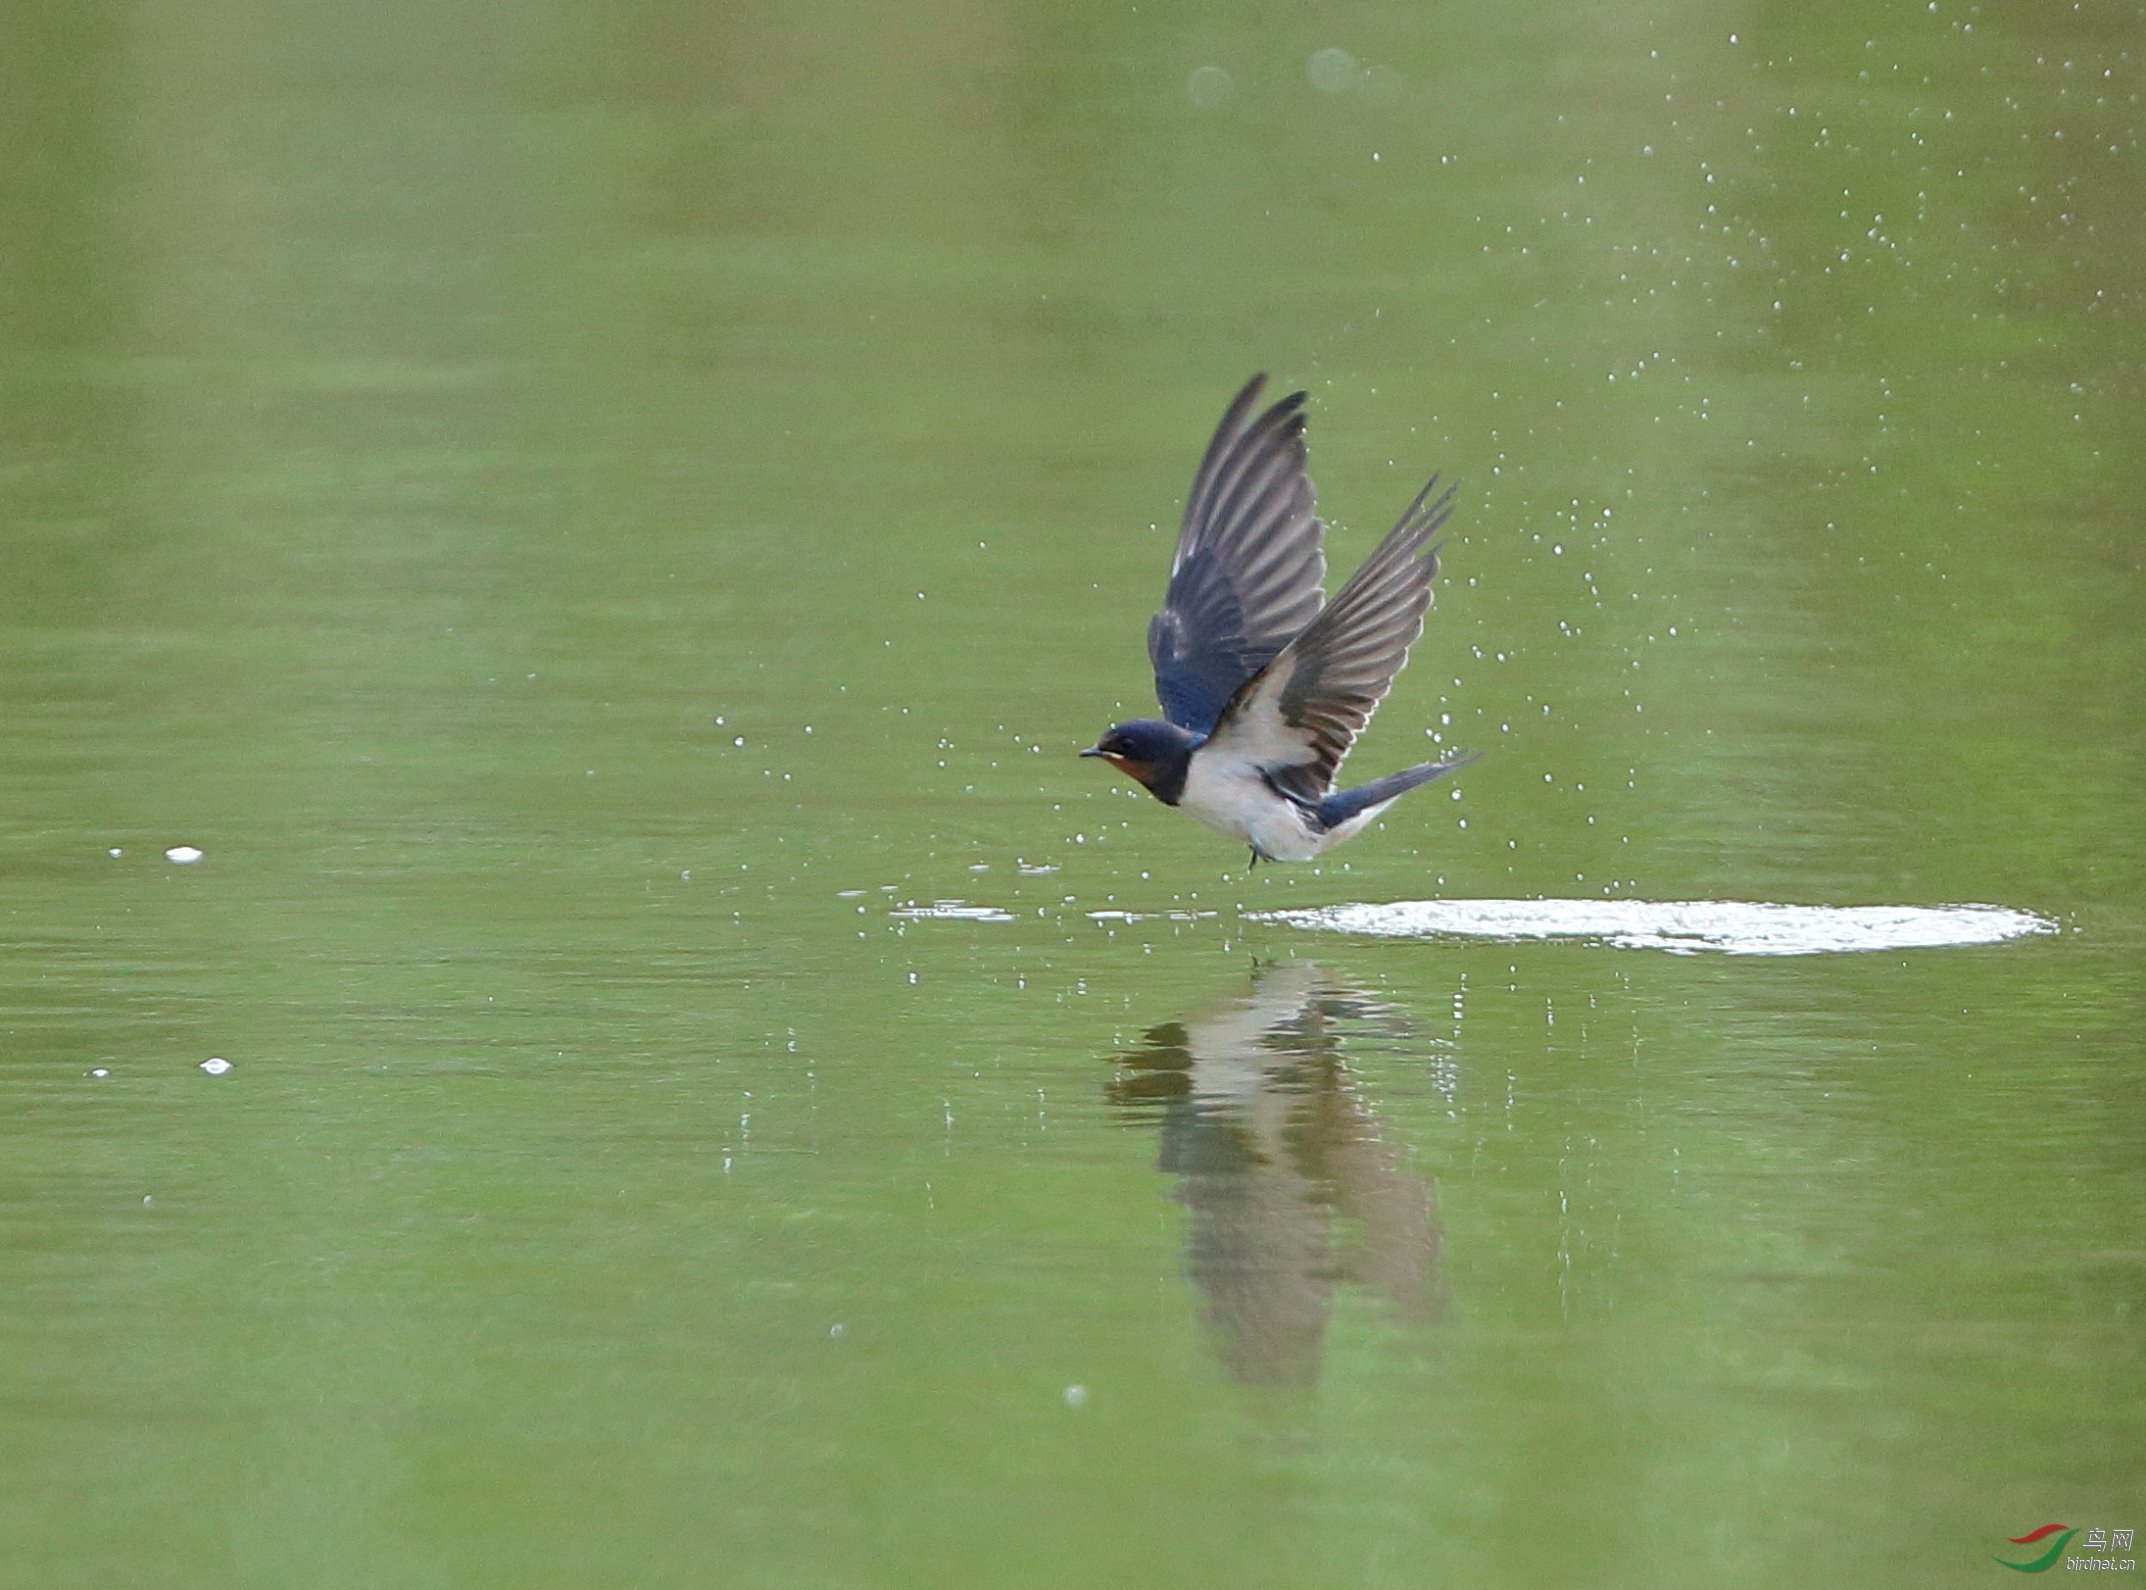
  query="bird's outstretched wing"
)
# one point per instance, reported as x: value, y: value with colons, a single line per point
x: 1247, y: 574
x: 1297, y: 717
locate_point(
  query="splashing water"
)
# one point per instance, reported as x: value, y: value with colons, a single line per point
x: 1729, y: 927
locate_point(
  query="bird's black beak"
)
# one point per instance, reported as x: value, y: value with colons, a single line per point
x: 1094, y: 750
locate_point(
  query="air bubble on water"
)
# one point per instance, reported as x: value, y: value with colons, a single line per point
x: 216, y: 1065
x: 99, y: 1071
x: 1076, y: 1396
x: 115, y: 852
x: 1206, y: 87
x: 1331, y: 70
x: 181, y: 855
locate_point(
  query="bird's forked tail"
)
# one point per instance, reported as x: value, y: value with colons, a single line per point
x: 1343, y: 805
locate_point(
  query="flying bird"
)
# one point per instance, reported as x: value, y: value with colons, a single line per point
x: 1264, y: 684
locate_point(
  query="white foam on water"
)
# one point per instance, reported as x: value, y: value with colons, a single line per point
x: 1150, y: 916
x: 1683, y: 927
x: 951, y: 911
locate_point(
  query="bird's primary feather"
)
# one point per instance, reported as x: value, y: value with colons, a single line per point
x: 1297, y: 717
x: 1248, y: 570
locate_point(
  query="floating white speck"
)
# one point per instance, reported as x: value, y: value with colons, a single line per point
x: 951, y: 911
x: 181, y: 855
x: 837, y: 1331
x: 115, y: 852
x: 99, y: 1071
x: 1076, y: 1396
x: 216, y: 1065
x: 1683, y: 927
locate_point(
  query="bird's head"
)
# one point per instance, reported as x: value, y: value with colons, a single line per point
x: 1150, y: 751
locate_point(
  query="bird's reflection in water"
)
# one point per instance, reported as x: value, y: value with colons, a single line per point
x: 1293, y: 1184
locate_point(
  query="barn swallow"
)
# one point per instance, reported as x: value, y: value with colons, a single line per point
x: 1264, y: 685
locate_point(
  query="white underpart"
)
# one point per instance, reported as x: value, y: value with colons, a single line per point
x: 1228, y: 794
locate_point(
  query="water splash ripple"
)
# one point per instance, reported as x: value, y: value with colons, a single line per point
x: 1683, y: 927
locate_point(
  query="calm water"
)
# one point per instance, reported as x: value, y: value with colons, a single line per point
x: 606, y: 525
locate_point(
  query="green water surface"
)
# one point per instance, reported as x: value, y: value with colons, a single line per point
x: 596, y: 519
